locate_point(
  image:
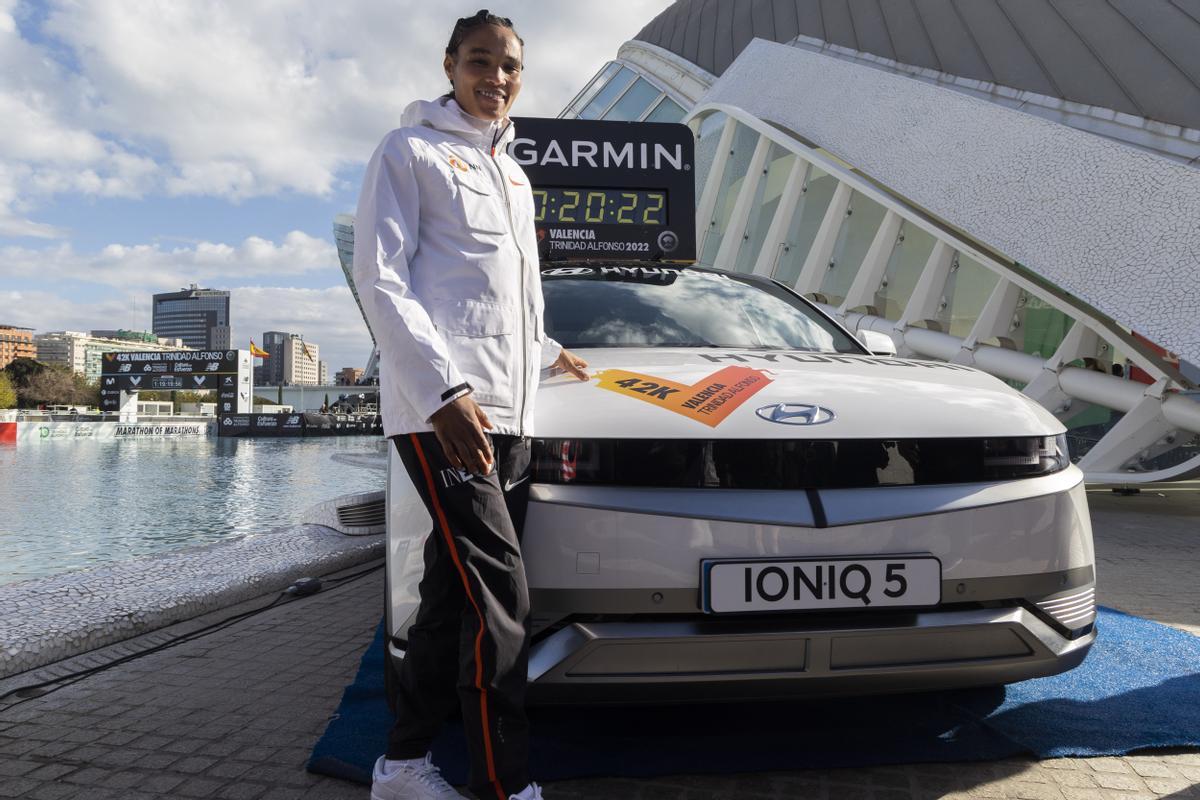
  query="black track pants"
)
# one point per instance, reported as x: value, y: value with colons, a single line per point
x: 470, y: 641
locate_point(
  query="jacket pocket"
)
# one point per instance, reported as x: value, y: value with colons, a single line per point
x: 481, y: 340
x: 482, y: 208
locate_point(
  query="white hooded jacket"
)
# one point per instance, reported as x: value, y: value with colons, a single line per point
x: 446, y: 268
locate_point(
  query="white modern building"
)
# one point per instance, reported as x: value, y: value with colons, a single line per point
x: 1012, y: 186
x: 1008, y: 185
x: 301, y: 361
x: 82, y: 353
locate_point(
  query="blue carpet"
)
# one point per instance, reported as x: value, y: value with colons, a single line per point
x: 1138, y: 688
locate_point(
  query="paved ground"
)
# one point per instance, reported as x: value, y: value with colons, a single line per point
x: 234, y: 714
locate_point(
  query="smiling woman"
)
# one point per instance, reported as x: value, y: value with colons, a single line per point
x: 449, y: 284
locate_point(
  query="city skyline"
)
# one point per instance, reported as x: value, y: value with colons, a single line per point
x: 140, y: 158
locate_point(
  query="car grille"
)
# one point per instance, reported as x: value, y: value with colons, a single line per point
x: 363, y: 515
x: 794, y: 464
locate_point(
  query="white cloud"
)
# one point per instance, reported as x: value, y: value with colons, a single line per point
x: 156, y: 268
x: 328, y: 317
x: 248, y: 99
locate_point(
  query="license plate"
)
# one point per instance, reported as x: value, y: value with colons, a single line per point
x: 805, y: 584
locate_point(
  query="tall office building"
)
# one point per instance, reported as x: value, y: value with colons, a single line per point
x: 300, y: 361
x: 271, y: 371
x: 200, y: 317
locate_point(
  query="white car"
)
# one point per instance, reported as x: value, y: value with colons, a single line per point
x: 745, y: 502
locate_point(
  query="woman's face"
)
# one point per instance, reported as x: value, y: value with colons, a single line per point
x: 486, y: 72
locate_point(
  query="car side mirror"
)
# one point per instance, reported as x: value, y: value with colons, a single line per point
x: 879, y: 344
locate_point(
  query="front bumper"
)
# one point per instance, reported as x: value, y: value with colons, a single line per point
x: 704, y: 658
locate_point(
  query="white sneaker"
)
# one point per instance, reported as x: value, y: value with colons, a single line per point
x: 530, y: 792
x: 416, y: 780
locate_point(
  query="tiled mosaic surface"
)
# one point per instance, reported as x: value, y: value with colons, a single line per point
x: 1112, y: 225
x: 52, y: 618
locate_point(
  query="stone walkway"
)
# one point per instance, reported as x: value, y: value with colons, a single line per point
x: 234, y: 714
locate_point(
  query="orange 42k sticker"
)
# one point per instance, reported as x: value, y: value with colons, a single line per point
x: 709, y: 400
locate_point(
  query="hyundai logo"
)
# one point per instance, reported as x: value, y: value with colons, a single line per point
x: 795, y: 414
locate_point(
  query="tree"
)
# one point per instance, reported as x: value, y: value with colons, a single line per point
x: 8, y: 394
x: 48, y: 387
x: 84, y: 392
x: 21, y: 370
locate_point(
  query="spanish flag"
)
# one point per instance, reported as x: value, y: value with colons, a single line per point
x: 304, y: 347
x: 255, y: 352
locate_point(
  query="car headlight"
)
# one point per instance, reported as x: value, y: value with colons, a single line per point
x: 1025, y: 456
x: 795, y: 464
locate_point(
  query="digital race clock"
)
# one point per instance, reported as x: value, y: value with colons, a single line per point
x: 610, y: 191
x: 553, y: 205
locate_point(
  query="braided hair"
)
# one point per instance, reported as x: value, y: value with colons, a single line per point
x: 467, y: 24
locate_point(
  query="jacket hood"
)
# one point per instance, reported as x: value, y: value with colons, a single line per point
x: 447, y: 116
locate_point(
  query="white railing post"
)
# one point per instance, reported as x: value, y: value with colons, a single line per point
x: 1045, y: 388
x: 735, y: 230
x: 712, y: 185
x: 776, y: 237
x: 813, y: 271
x: 870, y: 272
x: 994, y: 320
x: 923, y: 302
x: 1142, y: 427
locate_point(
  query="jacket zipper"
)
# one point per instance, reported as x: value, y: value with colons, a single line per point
x: 524, y: 332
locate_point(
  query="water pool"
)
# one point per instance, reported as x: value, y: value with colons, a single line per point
x: 79, y: 503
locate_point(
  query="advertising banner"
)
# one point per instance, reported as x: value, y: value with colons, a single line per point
x: 33, y: 432
x: 227, y: 372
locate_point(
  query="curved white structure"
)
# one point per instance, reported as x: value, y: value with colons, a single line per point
x: 1065, y: 262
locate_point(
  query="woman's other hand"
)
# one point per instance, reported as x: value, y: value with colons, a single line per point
x: 569, y: 362
x: 459, y: 426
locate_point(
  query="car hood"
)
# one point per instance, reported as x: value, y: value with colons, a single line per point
x: 734, y: 394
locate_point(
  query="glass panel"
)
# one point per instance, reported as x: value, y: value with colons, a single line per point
x: 810, y: 210
x: 666, y: 111
x: 606, y: 95
x: 634, y: 102
x: 585, y: 97
x: 967, y: 290
x: 1086, y: 424
x: 766, y: 200
x: 1185, y: 447
x: 744, y: 142
x: 863, y: 216
x: 913, y: 247
x: 1038, y: 328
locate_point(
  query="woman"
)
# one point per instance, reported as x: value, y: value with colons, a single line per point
x: 445, y: 262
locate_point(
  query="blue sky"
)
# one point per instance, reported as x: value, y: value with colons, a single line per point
x: 148, y: 145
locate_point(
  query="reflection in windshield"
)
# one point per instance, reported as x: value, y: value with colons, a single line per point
x: 588, y: 307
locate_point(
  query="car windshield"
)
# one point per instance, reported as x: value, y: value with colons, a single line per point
x: 659, y: 306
